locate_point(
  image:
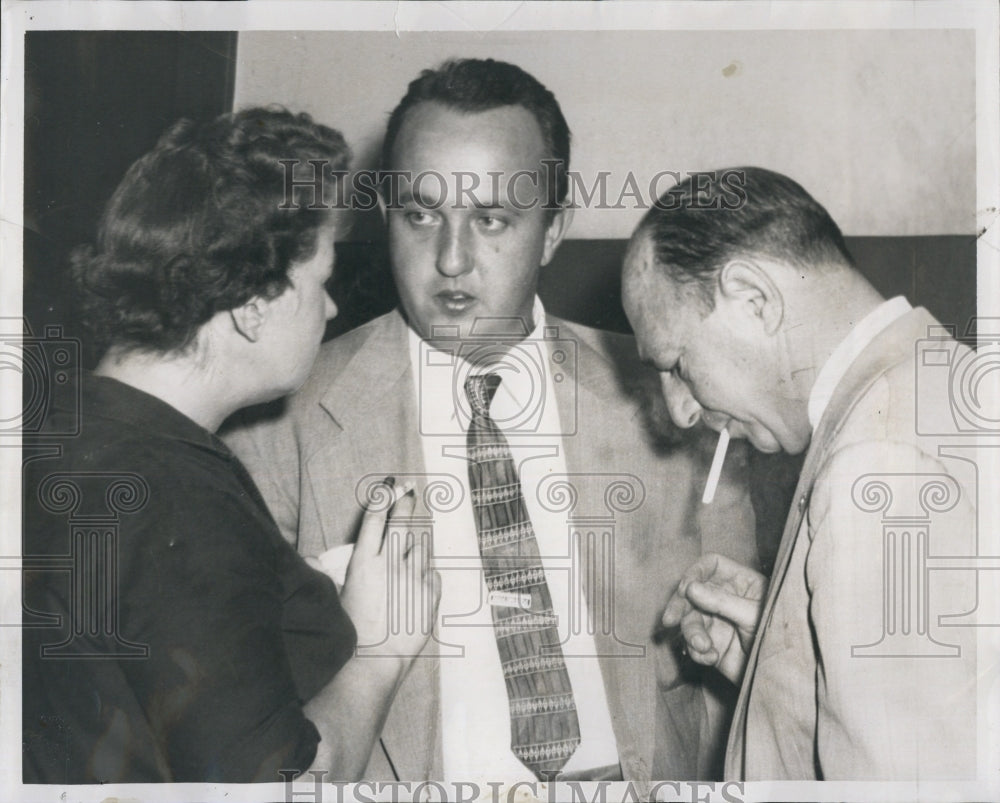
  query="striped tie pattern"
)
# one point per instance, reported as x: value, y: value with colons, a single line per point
x: 544, y: 729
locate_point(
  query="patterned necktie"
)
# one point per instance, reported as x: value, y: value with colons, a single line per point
x: 544, y: 730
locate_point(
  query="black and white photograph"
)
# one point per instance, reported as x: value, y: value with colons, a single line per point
x: 500, y: 402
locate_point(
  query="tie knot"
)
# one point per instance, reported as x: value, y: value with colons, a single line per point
x: 480, y: 390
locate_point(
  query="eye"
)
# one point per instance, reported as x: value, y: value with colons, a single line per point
x: 675, y: 371
x: 420, y: 218
x: 492, y: 224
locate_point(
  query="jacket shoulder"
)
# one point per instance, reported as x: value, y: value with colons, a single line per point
x: 332, y: 363
x: 335, y: 357
x: 616, y: 348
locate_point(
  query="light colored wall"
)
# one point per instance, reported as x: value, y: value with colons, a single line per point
x: 878, y: 125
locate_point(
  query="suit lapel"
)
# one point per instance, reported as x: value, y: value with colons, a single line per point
x: 372, y: 380
x: 370, y: 408
x: 892, y: 345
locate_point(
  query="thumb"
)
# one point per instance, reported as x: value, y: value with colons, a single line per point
x: 709, y: 598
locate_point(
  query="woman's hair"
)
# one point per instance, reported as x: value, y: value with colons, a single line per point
x: 203, y: 223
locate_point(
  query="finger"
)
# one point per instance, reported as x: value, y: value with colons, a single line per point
x: 373, y: 522
x: 701, y: 571
x: 413, y: 583
x: 432, y: 597
x: 435, y: 576
x: 677, y: 606
x: 713, y: 599
x: 409, y: 544
x: 720, y: 570
x: 698, y: 572
x: 405, y: 503
x: 710, y: 658
x: 695, y: 633
x: 416, y: 555
x: 425, y: 553
x: 703, y: 568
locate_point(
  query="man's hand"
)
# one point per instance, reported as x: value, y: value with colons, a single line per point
x: 717, y: 605
x: 380, y: 563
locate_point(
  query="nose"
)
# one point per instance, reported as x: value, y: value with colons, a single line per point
x: 454, y: 255
x: 682, y: 406
x: 331, y: 308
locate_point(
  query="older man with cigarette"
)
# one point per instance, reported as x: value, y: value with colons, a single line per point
x: 762, y: 328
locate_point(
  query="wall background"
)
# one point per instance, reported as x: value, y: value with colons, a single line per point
x: 878, y: 125
x: 94, y: 102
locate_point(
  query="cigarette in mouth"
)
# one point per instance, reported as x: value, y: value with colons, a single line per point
x: 716, y: 469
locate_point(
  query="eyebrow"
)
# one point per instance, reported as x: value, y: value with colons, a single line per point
x: 494, y: 204
x: 407, y: 195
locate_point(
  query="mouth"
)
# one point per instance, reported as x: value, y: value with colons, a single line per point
x: 455, y: 300
x: 719, y: 423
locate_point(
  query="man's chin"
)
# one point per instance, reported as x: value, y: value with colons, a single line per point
x: 773, y: 446
x: 770, y: 449
x: 441, y: 329
x: 767, y: 445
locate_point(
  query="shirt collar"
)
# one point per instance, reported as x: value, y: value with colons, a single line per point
x: 857, y: 340
x: 519, y: 372
x: 537, y: 315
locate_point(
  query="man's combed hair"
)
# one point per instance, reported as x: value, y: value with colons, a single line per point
x: 703, y: 222
x: 478, y: 85
x: 197, y: 227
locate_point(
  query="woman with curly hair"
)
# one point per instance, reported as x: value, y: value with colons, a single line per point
x: 200, y: 646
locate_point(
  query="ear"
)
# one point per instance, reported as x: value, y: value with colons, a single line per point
x: 248, y: 319
x: 750, y: 285
x: 556, y: 231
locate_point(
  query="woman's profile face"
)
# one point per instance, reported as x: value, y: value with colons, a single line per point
x: 297, y: 318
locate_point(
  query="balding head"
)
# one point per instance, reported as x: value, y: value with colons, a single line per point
x: 711, y: 218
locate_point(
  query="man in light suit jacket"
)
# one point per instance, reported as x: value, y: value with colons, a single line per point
x: 744, y: 297
x: 595, y: 472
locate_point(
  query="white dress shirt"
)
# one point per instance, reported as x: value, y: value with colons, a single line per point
x: 474, y: 704
x: 849, y: 349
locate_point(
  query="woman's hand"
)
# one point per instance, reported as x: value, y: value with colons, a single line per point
x: 391, y: 595
x: 390, y: 592
x: 717, y: 605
